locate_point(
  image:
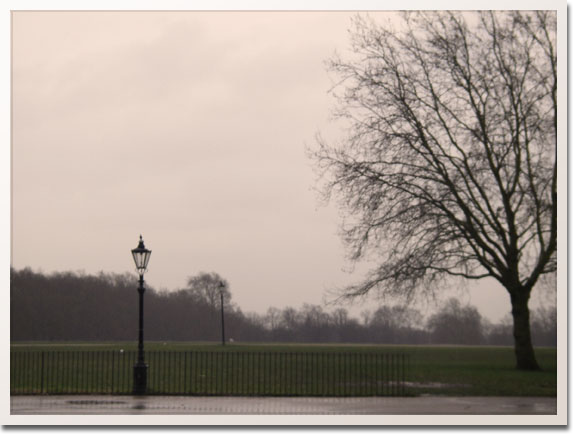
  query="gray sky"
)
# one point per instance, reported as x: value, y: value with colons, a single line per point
x: 190, y: 128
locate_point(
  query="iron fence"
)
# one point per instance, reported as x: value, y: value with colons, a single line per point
x: 211, y: 373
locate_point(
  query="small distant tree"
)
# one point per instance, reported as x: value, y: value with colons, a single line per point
x: 544, y: 324
x: 456, y: 324
x: 340, y: 317
x: 450, y: 167
x: 207, y: 287
x: 272, y: 318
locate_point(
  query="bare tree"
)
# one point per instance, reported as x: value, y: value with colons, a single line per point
x: 207, y: 287
x: 450, y: 167
x: 456, y: 324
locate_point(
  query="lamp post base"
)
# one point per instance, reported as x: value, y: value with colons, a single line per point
x: 140, y: 378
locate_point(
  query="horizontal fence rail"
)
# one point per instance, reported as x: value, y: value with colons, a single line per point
x: 211, y: 373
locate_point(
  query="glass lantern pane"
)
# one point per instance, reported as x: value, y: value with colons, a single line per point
x: 146, y: 257
x: 138, y: 259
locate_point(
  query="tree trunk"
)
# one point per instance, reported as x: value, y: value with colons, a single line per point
x: 524, y: 352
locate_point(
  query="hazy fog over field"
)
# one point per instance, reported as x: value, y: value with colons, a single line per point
x: 191, y: 129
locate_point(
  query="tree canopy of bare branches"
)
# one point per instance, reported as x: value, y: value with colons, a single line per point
x: 450, y: 165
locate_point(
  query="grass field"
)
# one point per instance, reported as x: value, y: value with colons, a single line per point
x: 435, y: 370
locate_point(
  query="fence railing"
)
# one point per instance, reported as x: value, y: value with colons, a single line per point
x: 211, y: 373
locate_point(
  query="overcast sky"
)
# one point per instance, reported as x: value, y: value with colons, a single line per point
x: 191, y: 129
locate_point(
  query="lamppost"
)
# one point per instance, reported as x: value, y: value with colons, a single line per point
x: 141, y: 256
x: 221, y: 287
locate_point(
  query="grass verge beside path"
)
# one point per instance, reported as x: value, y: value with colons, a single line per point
x: 434, y: 370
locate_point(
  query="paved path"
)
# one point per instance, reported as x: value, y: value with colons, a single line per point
x: 130, y: 405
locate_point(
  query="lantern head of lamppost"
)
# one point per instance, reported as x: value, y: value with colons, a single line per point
x: 141, y: 256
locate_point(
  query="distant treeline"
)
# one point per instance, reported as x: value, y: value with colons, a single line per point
x: 77, y: 307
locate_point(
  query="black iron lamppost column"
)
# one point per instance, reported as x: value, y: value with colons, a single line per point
x: 141, y: 256
x: 221, y: 286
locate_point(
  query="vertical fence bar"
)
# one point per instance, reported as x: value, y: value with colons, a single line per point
x: 159, y: 375
x: 261, y: 370
x: 199, y: 373
x: 121, y: 372
x: 381, y: 384
x: 190, y: 369
x: 252, y: 372
x: 52, y: 357
x: 224, y: 390
x: 303, y: 364
x: 99, y: 365
x: 113, y: 355
x: 384, y: 370
x: 94, y: 371
x: 13, y: 372
x: 172, y: 374
x: 204, y: 372
x: 151, y: 372
x: 64, y: 373
x: 201, y: 380
x: 173, y: 371
x: 207, y: 373
x: 312, y: 382
x: 99, y: 372
x: 229, y: 370
x: 187, y: 372
x: 23, y: 369
x: 27, y: 366
x: 219, y: 372
x: 403, y: 373
x: 382, y: 364
x: 247, y: 376
x: 375, y: 375
x: 53, y: 380
x: 402, y: 377
x: 42, y: 373
x: 58, y: 373
x: 288, y: 376
x: 91, y: 372
x: 274, y: 378
x: 177, y: 370
x: 396, y: 368
x: 17, y: 359
x: 346, y: 374
x: 19, y: 378
x: 184, y: 373
x: 398, y: 372
x: 257, y: 371
x: 102, y: 370
x: 388, y: 375
x: 242, y: 374
x: 48, y: 369
x: 35, y: 379
x: 164, y: 370
x: 196, y: 373
x: 213, y: 372
x: 270, y: 383
x: 392, y: 374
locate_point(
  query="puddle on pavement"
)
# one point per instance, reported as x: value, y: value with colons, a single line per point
x: 433, y: 385
x: 95, y: 402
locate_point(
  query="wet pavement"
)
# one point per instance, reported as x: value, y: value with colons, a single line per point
x: 170, y: 405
